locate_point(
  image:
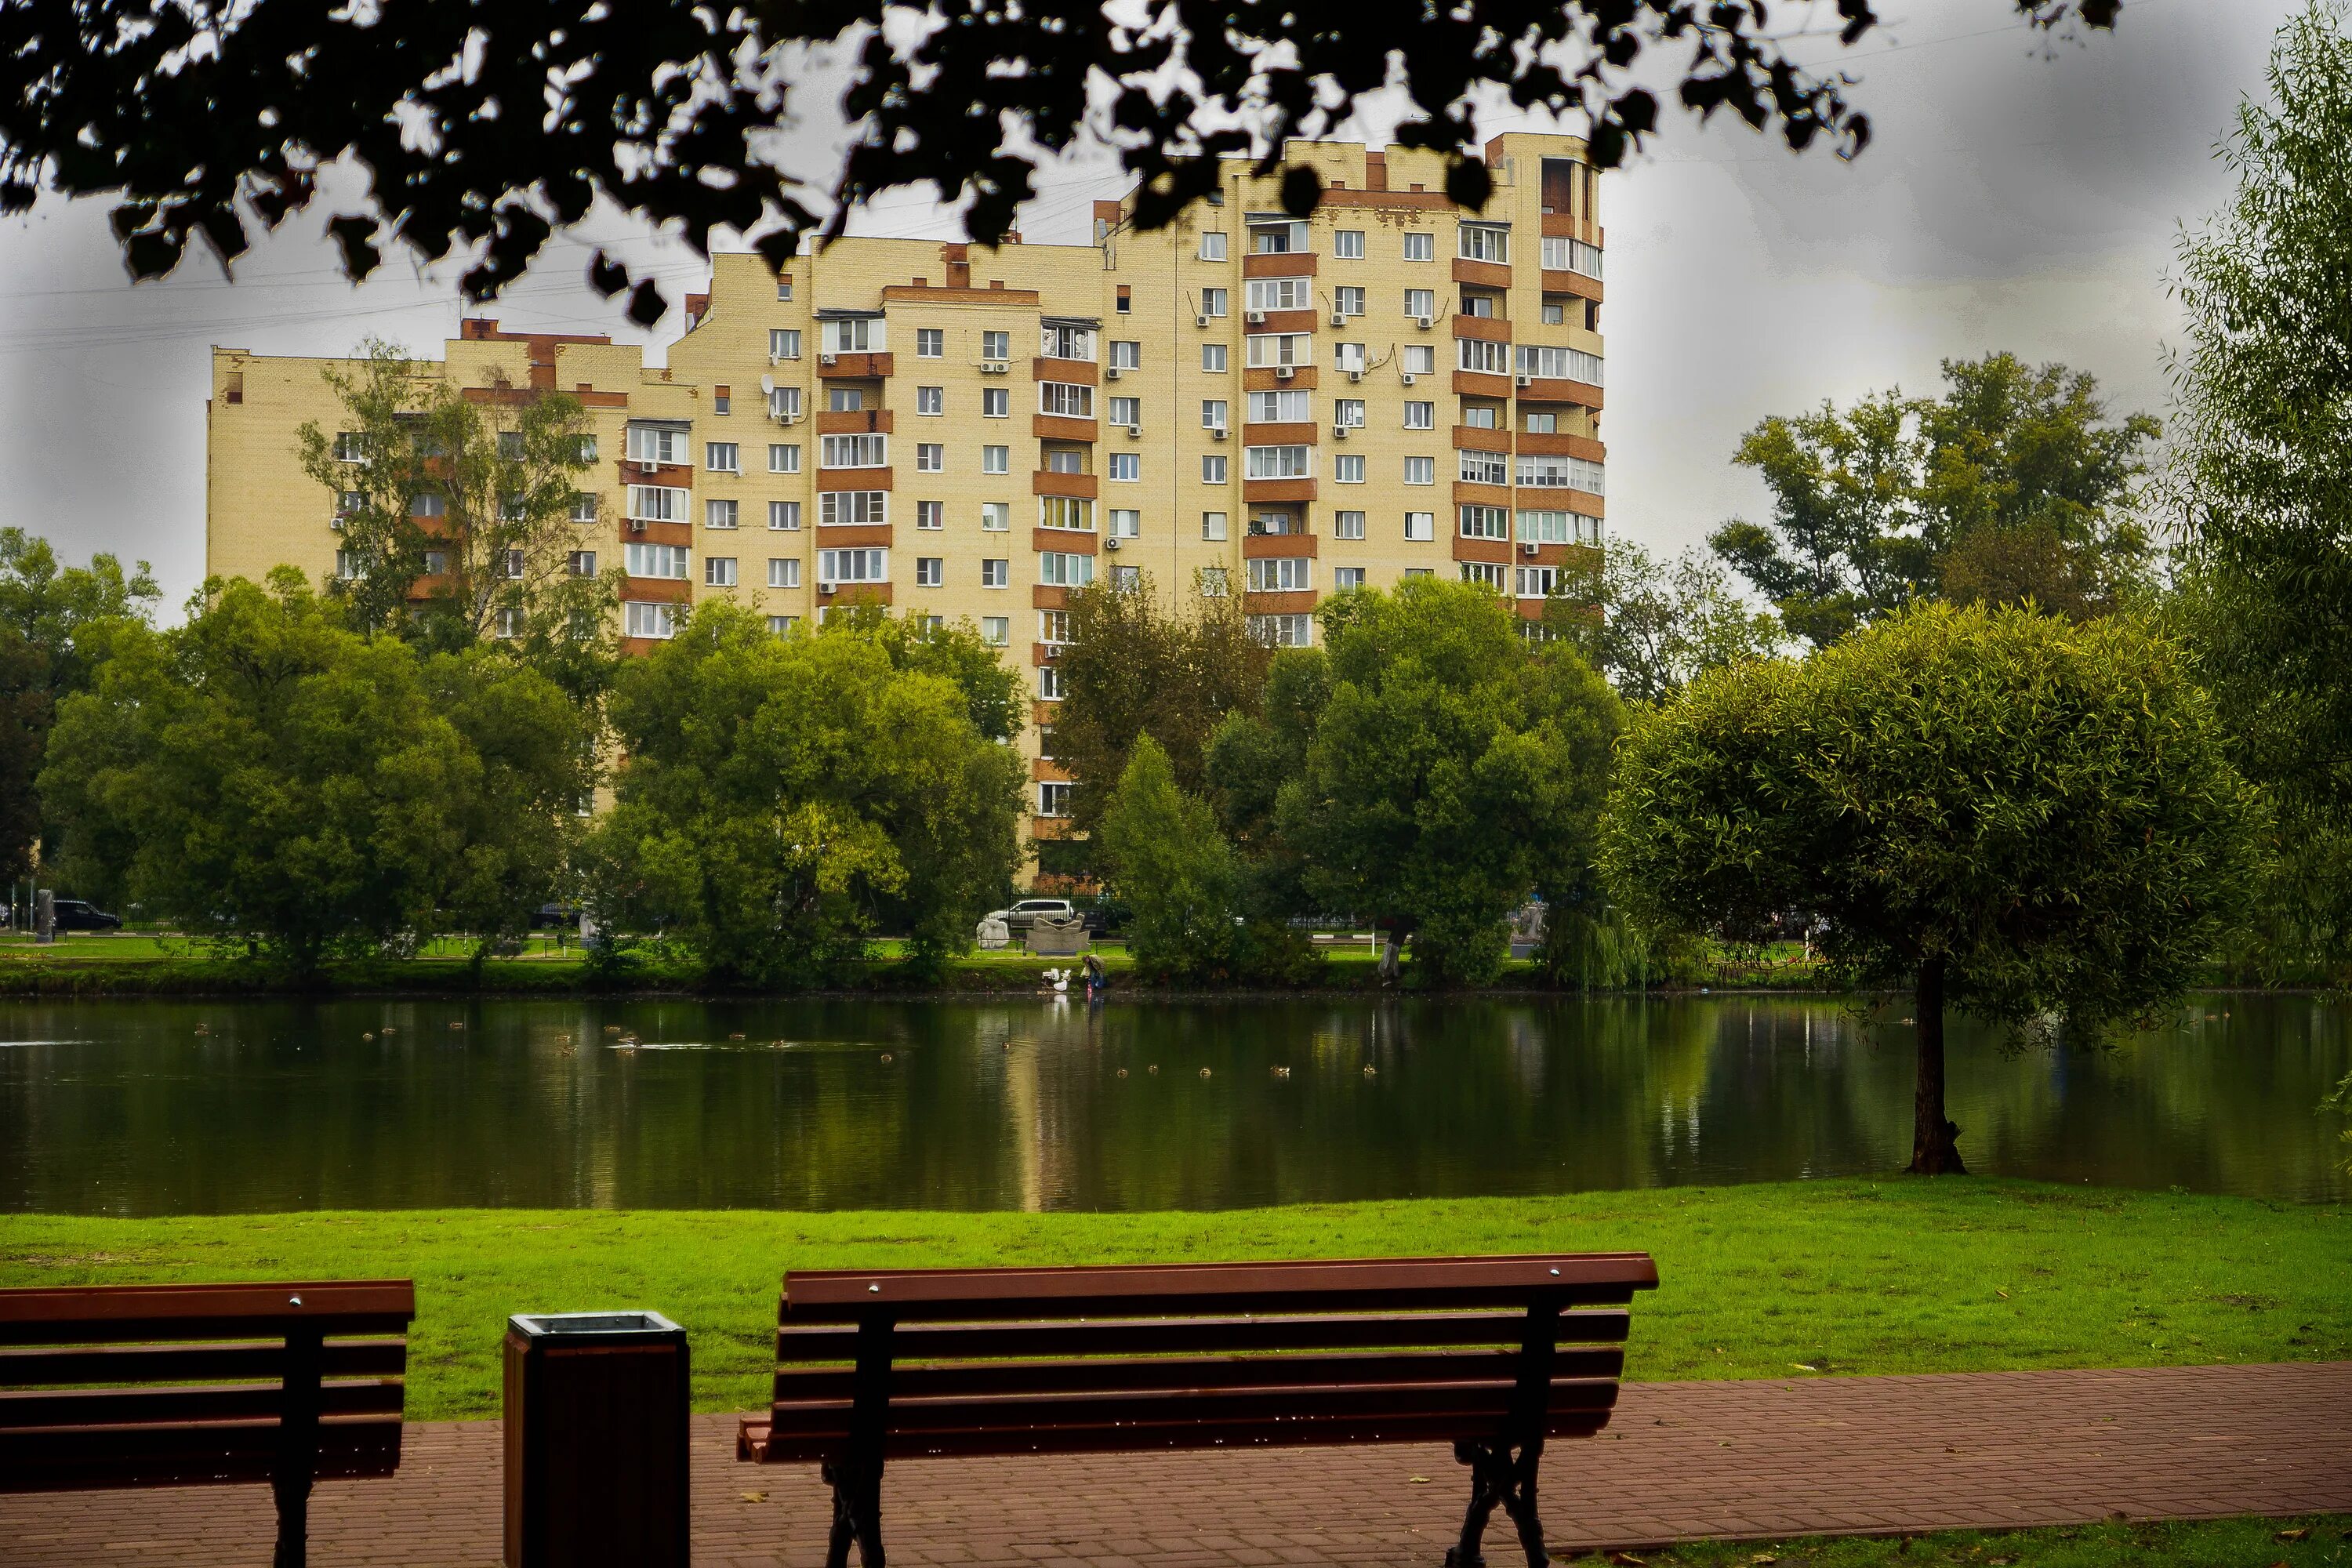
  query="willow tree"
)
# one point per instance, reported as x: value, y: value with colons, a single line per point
x: 2026, y: 820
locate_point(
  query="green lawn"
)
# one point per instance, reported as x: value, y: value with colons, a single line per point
x: 2320, y: 1541
x: 1786, y: 1281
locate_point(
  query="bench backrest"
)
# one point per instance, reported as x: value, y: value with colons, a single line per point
x: 179, y: 1384
x: 908, y: 1362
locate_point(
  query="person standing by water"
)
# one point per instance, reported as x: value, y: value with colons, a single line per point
x: 1098, y: 978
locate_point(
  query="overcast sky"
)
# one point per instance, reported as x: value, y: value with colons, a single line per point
x: 2014, y: 197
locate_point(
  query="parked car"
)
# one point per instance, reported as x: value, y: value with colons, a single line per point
x: 78, y: 914
x: 1025, y: 913
x: 1102, y: 918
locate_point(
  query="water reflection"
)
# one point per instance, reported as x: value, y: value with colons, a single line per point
x: 127, y: 1107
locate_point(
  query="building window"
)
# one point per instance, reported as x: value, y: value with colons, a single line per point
x: 1127, y: 411
x: 1126, y: 579
x: 1276, y: 236
x: 584, y: 507
x: 1213, y: 358
x: 1538, y: 582
x: 1053, y: 799
x: 1486, y: 522
x: 784, y: 572
x: 930, y: 342
x: 1348, y: 414
x: 639, y: 619
x: 1348, y: 299
x: 785, y: 516
x: 996, y: 631
x: 855, y: 452
x: 1481, y: 357
x: 852, y: 566
x: 837, y: 508
x: 510, y: 445
x: 1213, y: 581
x: 1212, y: 246
x: 721, y: 400
x: 1420, y: 359
x: 1484, y: 242
x: 1283, y: 631
x: 586, y: 448
x: 783, y: 626
x: 1486, y: 574
x: 718, y: 514
x: 437, y: 561
x: 931, y: 514
x: 1555, y: 311
x: 1213, y: 303
x: 1074, y: 514
x: 995, y: 460
x: 1420, y: 525
x: 783, y: 288
x: 719, y: 571
x: 1484, y: 468
x: 853, y: 335
x: 841, y: 399
x: 784, y: 403
x: 930, y: 456
x: 1212, y: 526
x: 656, y: 561
x: 784, y: 343
x: 1420, y: 416
x: 1281, y: 574
x: 1065, y: 399
x: 784, y: 458
x: 1049, y: 685
x: 1542, y: 423
x: 1547, y: 527
x: 1065, y: 460
x: 1054, y: 627
x: 1346, y: 578
x: 350, y: 447
x: 581, y: 563
x: 1212, y: 413
x: 1125, y: 522
x: 996, y: 574
x: 930, y: 400
x: 1126, y: 465
x: 1479, y: 417
x: 1281, y: 407
x: 1262, y: 294
x: 1277, y: 463
x: 656, y: 444
x: 1560, y: 364
x: 1276, y: 349
x: 1212, y: 469
x: 1062, y: 569
x: 1348, y: 243
x: 1420, y: 470
x: 1347, y: 525
x: 1062, y: 340
x: 656, y: 503
x: 426, y: 504
x: 995, y: 402
x: 996, y: 345
x: 931, y: 572
x: 1420, y: 248
x: 1347, y: 468
x: 346, y: 565
x: 1561, y: 474
x: 996, y: 516
x: 1421, y: 304
x: 1125, y: 355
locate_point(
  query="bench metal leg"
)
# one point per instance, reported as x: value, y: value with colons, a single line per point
x: 856, y: 1514
x: 293, y: 1490
x: 1495, y: 1477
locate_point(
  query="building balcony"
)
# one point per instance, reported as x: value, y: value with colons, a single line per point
x: 854, y: 366
x: 1063, y: 428
x: 854, y: 422
x: 1067, y: 541
x: 1270, y: 546
x: 1078, y: 372
x: 1279, y: 264
x: 1549, y: 389
x: 1482, y: 274
x: 1077, y: 487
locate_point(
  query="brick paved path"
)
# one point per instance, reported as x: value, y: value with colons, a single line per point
x: 1680, y: 1459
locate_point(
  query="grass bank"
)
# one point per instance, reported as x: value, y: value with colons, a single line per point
x: 1771, y: 1280
x: 2322, y: 1540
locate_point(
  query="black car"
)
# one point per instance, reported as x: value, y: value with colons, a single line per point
x: 78, y: 914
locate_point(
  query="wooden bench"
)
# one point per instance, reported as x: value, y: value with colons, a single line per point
x: 175, y: 1386
x: 1492, y: 1354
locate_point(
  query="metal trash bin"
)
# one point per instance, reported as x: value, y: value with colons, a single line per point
x: 596, y: 1408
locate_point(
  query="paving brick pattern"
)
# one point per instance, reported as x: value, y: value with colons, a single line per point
x: 1680, y: 1461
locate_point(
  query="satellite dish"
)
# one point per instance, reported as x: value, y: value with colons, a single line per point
x: 767, y: 383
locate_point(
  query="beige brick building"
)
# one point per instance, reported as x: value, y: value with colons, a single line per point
x: 1243, y: 404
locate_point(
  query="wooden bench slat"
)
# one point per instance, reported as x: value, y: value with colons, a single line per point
x: 103, y: 1314
x: 1173, y: 1336
x: 79, y: 1459
x: 48, y: 1365
x: 1175, y: 1290
x: 217, y: 1402
x: 968, y: 1379
x: 760, y: 1443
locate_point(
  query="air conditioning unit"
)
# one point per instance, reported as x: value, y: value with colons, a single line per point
x: 1217, y: 432
x: 1255, y: 318
x: 775, y: 360
x: 1529, y: 547
x: 637, y: 525
x: 1355, y: 374
x: 825, y: 587
x: 1339, y: 432
x: 994, y: 366
x: 1526, y: 380
x: 1284, y: 372
x: 1110, y: 372
x: 1424, y: 322
x: 1135, y: 432
x: 1112, y: 542
x: 1200, y: 320
x: 1407, y: 378
x: 1339, y: 318
x: 836, y: 359
x: 647, y: 466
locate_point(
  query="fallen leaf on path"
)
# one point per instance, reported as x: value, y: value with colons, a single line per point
x: 1627, y: 1560
x: 755, y: 1497
x: 2301, y: 1532
x: 1418, y: 1481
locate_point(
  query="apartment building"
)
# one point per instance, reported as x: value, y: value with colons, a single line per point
x: 1244, y: 404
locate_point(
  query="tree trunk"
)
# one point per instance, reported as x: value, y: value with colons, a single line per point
x: 1388, y: 946
x: 1934, y: 1140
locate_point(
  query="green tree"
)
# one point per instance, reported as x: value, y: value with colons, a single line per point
x: 1664, y: 623
x: 2002, y: 811
x: 2014, y: 485
x: 492, y: 493
x: 1452, y: 767
x: 1173, y: 868
x: 1130, y: 668
x: 784, y: 798
x: 264, y: 774
x: 56, y: 624
x: 2263, y: 477
x: 993, y: 694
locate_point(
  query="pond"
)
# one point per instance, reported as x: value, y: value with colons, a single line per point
x: 142, y: 1107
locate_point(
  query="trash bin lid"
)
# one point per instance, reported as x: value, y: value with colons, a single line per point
x: 604, y: 1327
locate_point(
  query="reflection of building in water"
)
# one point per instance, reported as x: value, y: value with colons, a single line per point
x: 1040, y: 1116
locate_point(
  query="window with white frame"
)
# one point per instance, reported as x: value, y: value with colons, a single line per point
x: 1211, y: 580
x: 1348, y: 468
x: 1348, y: 299
x: 1484, y: 242
x: 581, y: 563
x: 1419, y: 359
x: 1480, y: 417
x: 930, y: 571
x: 784, y: 402
x: 1561, y: 474
x: 995, y: 402
x: 1561, y: 254
x: 930, y: 400
x: 719, y: 571
x: 656, y: 504
x: 995, y: 460
x: 996, y: 516
x: 1485, y: 573
x: 1486, y: 522
x: 1348, y: 243
x: 1283, y: 631
x: 668, y: 561
x: 437, y: 561
x: 784, y: 343
x: 1538, y: 582
x: 1279, y: 293
x: 1419, y: 415
x: 1212, y: 246
x: 1276, y: 236
x: 1560, y: 364
x: 1345, y: 579
x: 996, y: 574
x: 843, y: 400
x: 1068, y: 400
x: 1275, y: 348
x: 930, y: 516
x: 930, y: 342
x: 783, y: 626
x: 656, y: 442
x: 1277, y: 463
x: 852, y: 566
x: 584, y: 507
x: 1420, y: 526
x: 1213, y: 358
x: 1126, y: 466
x: 1125, y: 355
x: 784, y: 458
x: 930, y: 456
x: 1075, y: 513
x: 586, y: 448
x: 506, y: 623
x: 1212, y: 469
x: 1420, y: 470
x: 1479, y: 355
x: 996, y: 631
x: 857, y: 452
x: 784, y: 572
x: 350, y: 447
x: 1212, y: 526
x: 1281, y: 573
x: 783, y: 288
x: 1054, y: 627
x: 1348, y: 414
x: 785, y: 516
x: 1213, y: 413
x: 1281, y: 407
x: 1127, y: 411
x: 1065, y: 339
x: 1484, y: 468
x: 1420, y: 246
x: 1053, y: 799
x: 428, y: 504
x: 837, y: 508
x: 1421, y: 304
x: 1347, y: 525
x: 347, y: 566
x: 640, y: 619
x: 1049, y: 685
x: 1546, y: 527
x: 1213, y: 303
x: 718, y: 514
x: 853, y: 335
x: 1125, y: 522
x: 1063, y: 569
x: 996, y: 345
